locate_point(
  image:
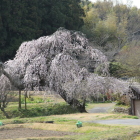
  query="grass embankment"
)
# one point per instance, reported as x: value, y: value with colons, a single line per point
x: 35, y: 118
x: 38, y: 106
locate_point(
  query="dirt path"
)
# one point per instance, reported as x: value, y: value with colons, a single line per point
x: 119, y: 121
x: 105, y: 108
x: 102, y: 108
x: 29, y: 133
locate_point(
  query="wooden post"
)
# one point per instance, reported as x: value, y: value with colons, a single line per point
x: 25, y: 100
x: 132, y: 107
x: 19, y: 102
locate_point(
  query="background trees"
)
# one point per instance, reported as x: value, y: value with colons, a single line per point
x: 25, y: 20
x: 114, y: 29
x: 129, y: 57
x: 110, y: 26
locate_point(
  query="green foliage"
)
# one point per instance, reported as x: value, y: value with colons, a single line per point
x: 120, y: 103
x: 29, y: 19
x: 125, y: 47
x: 131, y: 117
x: 17, y: 121
x: 129, y: 58
x: 108, y: 101
x: 110, y: 25
x: 35, y: 100
x: 44, y: 110
x: 118, y: 70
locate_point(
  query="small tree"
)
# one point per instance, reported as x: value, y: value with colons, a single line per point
x: 5, y: 87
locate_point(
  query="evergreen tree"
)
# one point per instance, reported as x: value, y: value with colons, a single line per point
x: 23, y: 20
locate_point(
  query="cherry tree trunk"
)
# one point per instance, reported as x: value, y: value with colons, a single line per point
x: 80, y: 106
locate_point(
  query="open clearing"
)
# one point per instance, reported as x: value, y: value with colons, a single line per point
x: 64, y: 127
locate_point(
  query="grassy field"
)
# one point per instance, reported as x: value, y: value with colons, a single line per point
x: 67, y: 123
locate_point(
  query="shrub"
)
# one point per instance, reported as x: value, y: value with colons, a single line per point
x: 35, y: 100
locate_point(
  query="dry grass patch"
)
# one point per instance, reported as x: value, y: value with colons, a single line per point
x: 54, y: 127
x: 43, y: 138
x: 87, y: 132
x: 92, y: 116
x: 66, y: 127
x: 81, y: 116
x: 137, y: 138
x: 58, y: 127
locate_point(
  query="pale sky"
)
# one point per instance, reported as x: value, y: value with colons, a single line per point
x: 133, y: 2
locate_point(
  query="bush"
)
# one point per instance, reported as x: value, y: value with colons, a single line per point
x: 108, y: 101
x: 120, y: 103
x: 35, y: 100
x: 17, y: 122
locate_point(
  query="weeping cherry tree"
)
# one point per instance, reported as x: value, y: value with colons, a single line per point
x: 65, y: 63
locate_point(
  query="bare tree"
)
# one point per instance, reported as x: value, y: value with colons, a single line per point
x: 5, y: 87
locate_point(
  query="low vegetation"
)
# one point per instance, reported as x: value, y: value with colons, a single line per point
x: 68, y: 124
x: 63, y: 116
x: 37, y: 106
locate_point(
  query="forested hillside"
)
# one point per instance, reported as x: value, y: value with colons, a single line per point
x: 107, y: 23
x: 114, y: 29
x: 22, y: 20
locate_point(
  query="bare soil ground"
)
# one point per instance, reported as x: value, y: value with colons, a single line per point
x: 19, y: 132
